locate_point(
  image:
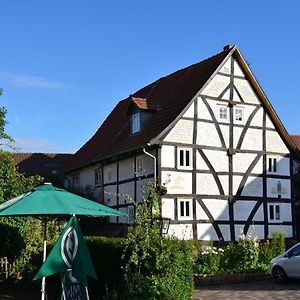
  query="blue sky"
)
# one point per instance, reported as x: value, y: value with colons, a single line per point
x: 65, y: 64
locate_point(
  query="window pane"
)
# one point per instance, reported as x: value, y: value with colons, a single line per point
x: 274, y: 165
x: 182, y: 208
x: 187, y: 208
x: 238, y: 114
x: 181, y: 158
x: 223, y: 112
x: 271, y: 207
x: 277, y: 212
x: 187, y: 158
x: 270, y: 164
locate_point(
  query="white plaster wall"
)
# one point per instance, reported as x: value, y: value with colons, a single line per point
x: 167, y: 156
x: 110, y: 195
x: 286, y: 212
x: 241, y: 162
x: 182, y: 132
x: 246, y: 91
x: 203, y: 113
x: 142, y: 188
x: 148, y: 164
x: 181, y: 231
x: 167, y: 208
x: 282, y: 165
x: 242, y: 209
x: 259, y: 216
x: 236, y: 180
x: 274, y: 142
x: 256, y: 230
x: 272, y: 188
x: 236, y: 136
x: 87, y: 177
x: 252, y: 140
x: 236, y: 96
x: 190, y: 112
x: 126, y: 192
x: 113, y: 168
x: 216, y: 86
x: 258, y: 118
x: 226, y: 95
x: 206, y: 232
x: 253, y: 187
x: 126, y: 168
x: 200, y: 163
x: 177, y: 182
x: 206, y: 185
x: 226, y: 68
x: 269, y: 123
x: 207, y: 135
x: 225, y: 183
x: 218, y: 159
x: 200, y: 213
x: 237, y: 69
x: 225, y: 133
x: 217, y: 208
x: 225, y: 229
x: 286, y: 228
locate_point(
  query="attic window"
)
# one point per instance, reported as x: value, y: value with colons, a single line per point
x: 135, y: 123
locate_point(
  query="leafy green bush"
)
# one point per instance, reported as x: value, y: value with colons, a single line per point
x: 106, y: 255
x: 156, y: 267
x: 208, y: 261
x: 278, y: 242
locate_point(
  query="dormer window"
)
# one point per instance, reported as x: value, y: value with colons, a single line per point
x: 135, y: 123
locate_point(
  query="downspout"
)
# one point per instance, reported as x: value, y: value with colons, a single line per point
x: 154, y: 159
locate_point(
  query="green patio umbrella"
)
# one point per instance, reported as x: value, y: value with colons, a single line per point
x: 48, y: 202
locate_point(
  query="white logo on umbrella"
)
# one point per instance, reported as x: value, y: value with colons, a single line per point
x: 69, y: 246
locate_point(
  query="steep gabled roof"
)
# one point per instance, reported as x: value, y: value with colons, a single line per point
x: 169, y: 95
x: 166, y: 98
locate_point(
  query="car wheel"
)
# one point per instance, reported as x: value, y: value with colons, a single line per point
x: 279, y: 275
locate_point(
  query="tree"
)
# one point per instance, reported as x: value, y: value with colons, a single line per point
x: 21, y: 237
x: 5, y: 139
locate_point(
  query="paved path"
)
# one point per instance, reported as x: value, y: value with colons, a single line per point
x: 266, y: 289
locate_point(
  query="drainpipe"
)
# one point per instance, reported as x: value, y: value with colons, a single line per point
x: 154, y: 158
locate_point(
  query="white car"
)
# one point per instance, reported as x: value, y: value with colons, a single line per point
x: 287, y: 265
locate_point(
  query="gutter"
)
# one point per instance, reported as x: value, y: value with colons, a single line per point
x: 154, y: 160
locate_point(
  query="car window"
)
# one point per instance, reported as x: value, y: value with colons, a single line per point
x: 295, y: 251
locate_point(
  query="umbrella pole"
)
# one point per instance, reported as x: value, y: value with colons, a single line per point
x: 43, y: 287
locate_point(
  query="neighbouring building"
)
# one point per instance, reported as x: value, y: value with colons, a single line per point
x: 48, y: 165
x: 208, y: 134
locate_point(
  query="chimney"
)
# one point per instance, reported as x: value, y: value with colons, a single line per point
x: 228, y: 47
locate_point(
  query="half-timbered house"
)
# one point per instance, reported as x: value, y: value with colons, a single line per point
x: 208, y: 134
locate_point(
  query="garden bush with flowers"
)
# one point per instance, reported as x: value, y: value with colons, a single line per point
x: 248, y: 255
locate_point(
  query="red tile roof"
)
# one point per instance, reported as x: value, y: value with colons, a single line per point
x: 169, y: 95
x: 40, y: 163
x: 296, y: 139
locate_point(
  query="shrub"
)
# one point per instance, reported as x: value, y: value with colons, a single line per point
x: 156, y: 267
x: 278, y: 242
x: 208, y: 261
x: 106, y: 255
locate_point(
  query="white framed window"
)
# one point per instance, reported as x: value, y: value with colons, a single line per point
x: 98, y: 177
x: 274, y: 212
x: 223, y: 113
x: 139, y: 165
x: 238, y: 114
x: 135, y: 123
x: 184, y: 158
x: 272, y: 164
x: 185, y: 209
